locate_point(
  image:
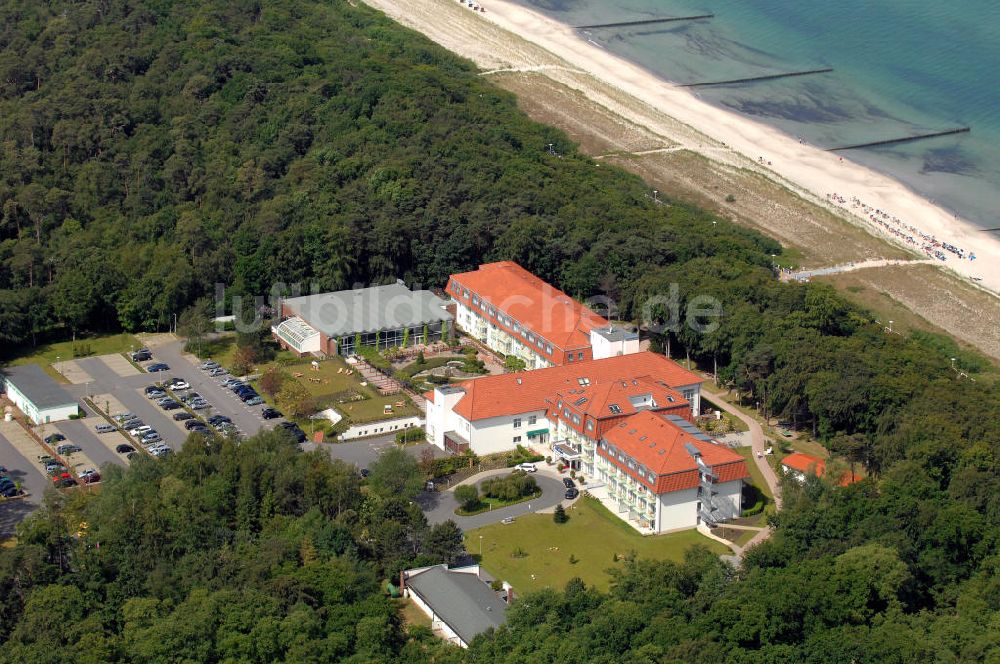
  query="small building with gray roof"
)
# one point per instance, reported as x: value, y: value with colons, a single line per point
x: 37, y: 395
x: 461, y: 605
x: 380, y: 316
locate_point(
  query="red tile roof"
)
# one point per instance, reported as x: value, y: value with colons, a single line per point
x: 538, y: 306
x: 805, y: 463
x: 659, y: 445
x: 601, y: 397
x: 808, y: 464
x: 525, y: 391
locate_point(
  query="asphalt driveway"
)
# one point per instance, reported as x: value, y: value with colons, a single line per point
x: 439, y: 506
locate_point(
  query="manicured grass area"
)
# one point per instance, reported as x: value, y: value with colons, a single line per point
x: 736, y: 424
x: 756, y: 477
x: 330, y: 384
x: 493, y: 503
x: 46, y: 354
x: 593, y: 536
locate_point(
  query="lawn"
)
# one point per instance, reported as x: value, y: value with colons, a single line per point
x: 756, y: 477
x: 489, y: 504
x: 46, y: 354
x: 593, y: 535
x: 411, y: 614
x: 331, y: 383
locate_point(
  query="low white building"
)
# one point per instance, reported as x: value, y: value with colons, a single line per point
x: 37, y: 395
x: 460, y: 604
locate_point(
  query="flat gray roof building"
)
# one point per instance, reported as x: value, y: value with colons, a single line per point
x: 313, y: 321
x: 460, y: 600
x: 37, y: 395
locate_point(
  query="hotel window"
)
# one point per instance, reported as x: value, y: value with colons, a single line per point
x: 570, y: 357
x: 517, y: 439
x: 517, y: 422
x: 590, y: 425
x: 532, y: 419
x: 615, y: 409
x: 583, y: 381
x: 548, y: 348
x: 465, y: 294
x: 579, y: 355
x: 576, y: 419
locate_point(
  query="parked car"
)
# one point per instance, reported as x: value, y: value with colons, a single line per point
x: 218, y: 371
x: 139, y: 430
x: 158, y: 394
x: 90, y: 476
x: 131, y: 455
x: 104, y: 428
x: 142, y: 355
x: 157, y: 367
x: 526, y: 467
x: 193, y: 424
x: 219, y: 418
x: 179, y: 384
x: 151, y: 438
x: 568, y: 482
x: 149, y: 389
x: 200, y: 405
x: 68, y: 448
x: 182, y: 416
x: 208, y: 364
x: 572, y: 493
x: 170, y: 405
x: 54, y: 438
x: 295, y: 430
x: 63, y: 480
x: 229, y: 382
x: 9, y: 492
x: 270, y: 413
x: 132, y: 424
x: 124, y: 417
x: 255, y: 400
x: 124, y: 449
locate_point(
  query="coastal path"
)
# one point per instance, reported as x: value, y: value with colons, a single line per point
x: 802, y: 275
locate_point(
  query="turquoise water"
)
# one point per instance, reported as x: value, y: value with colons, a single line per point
x: 900, y: 67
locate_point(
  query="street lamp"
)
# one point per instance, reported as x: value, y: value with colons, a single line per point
x: 890, y: 327
x: 480, y: 546
x: 655, y: 199
x: 953, y: 360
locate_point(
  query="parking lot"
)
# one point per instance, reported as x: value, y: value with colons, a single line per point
x: 16, y: 453
x: 112, y: 381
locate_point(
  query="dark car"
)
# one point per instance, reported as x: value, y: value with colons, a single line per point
x: 141, y: 355
x: 193, y: 424
x: 124, y: 449
x: 54, y: 438
x: 91, y: 476
x: 365, y: 472
x: 250, y: 396
x: 9, y: 492
x: 157, y: 366
x: 568, y: 483
x: 295, y: 430
x: 170, y: 405
x: 68, y: 448
x: 181, y: 417
x: 152, y: 389
x: 131, y: 455
x: 270, y: 413
x: 572, y: 493
x: 215, y: 419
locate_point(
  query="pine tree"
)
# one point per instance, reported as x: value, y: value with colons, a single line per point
x: 560, y: 515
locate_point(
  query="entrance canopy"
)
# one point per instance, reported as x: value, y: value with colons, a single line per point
x: 564, y: 451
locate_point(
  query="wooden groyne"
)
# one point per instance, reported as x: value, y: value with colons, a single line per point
x: 648, y: 21
x: 752, y: 79
x: 904, y: 139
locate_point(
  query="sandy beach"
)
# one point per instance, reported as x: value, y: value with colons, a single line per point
x: 510, y: 40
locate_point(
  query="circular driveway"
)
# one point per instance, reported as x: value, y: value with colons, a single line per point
x: 439, y: 506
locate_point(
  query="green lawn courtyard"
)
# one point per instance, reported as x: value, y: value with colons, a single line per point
x: 593, y: 536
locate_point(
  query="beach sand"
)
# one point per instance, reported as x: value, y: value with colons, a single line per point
x: 659, y: 126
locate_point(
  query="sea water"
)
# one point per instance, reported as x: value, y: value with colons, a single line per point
x: 901, y: 67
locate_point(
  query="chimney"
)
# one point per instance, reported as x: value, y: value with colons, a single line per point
x: 509, y: 594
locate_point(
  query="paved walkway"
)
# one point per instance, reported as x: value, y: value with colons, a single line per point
x: 758, y: 444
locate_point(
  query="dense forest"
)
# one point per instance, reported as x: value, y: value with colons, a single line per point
x: 153, y: 149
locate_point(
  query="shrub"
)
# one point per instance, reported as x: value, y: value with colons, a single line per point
x: 510, y: 488
x: 410, y: 435
x: 560, y: 516
x: 467, y: 496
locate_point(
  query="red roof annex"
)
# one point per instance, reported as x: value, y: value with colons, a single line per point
x: 538, y: 306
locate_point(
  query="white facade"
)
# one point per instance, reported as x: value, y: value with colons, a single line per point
x: 381, y: 427
x: 36, y: 414
x: 497, y: 339
x: 611, y: 342
x: 438, y: 626
x: 485, y: 436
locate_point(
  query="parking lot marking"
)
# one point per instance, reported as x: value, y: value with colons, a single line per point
x: 73, y: 372
x: 119, y: 364
x: 23, y: 442
x: 75, y: 461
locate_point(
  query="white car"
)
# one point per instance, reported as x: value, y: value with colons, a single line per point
x: 526, y: 467
x: 180, y: 385
x: 140, y: 430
